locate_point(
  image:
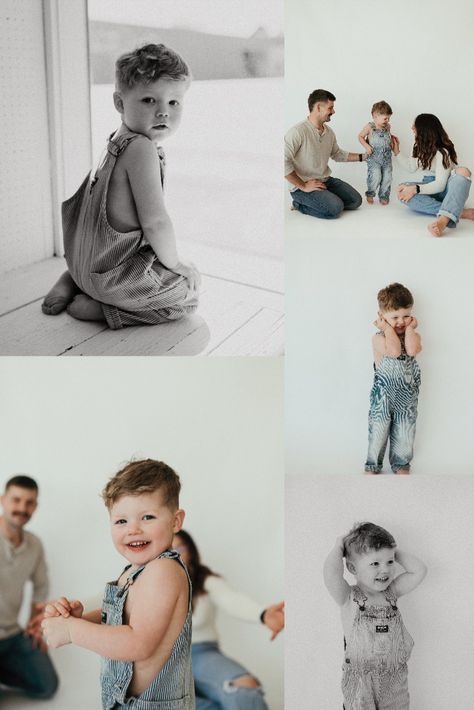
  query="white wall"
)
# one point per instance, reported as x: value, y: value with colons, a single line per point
x: 71, y: 424
x: 430, y: 517
x: 331, y: 306
x: 417, y: 56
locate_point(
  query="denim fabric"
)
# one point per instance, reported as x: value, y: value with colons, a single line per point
x: 26, y: 668
x: 379, y: 164
x: 450, y: 202
x: 329, y: 203
x: 393, y: 411
x: 213, y: 672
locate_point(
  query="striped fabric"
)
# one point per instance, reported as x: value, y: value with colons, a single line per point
x: 119, y: 269
x: 375, y: 673
x: 173, y: 687
x: 393, y: 410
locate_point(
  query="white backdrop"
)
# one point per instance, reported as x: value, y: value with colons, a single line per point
x: 331, y: 305
x: 430, y: 517
x: 71, y: 424
x: 417, y: 56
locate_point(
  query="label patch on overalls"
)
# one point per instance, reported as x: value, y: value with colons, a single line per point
x: 381, y: 629
x: 103, y: 617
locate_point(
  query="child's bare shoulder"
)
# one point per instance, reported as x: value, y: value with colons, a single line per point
x: 140, y: 152
x: 165, y: 570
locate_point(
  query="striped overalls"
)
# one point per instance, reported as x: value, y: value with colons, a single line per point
x: 119, y: 269
x: 392, y: 413
x: 173, y: 687
x: 379, y: 164
x: 375, y: 673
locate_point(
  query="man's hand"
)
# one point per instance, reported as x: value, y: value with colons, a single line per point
x: 64, y: 607
x: 33, y: 628
x: 274, y: 618
x: 312, y: 185
x: 56, y: 631
x: 406, y: 192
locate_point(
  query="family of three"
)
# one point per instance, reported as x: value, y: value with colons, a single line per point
x: 440, y: 189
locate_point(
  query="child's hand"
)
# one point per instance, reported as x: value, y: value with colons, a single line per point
x: 191, y: 274
x: 381, y: 324
x: 413, y: 323
x: 64, y: 607
x: 56, y: 631
x: 369, y: 149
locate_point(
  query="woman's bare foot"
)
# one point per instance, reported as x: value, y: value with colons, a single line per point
x: 370, y: 200
x: 437, y: 228
x: 85, y: 308
x: 62, y: 293
x: 403, y: 472
x: 467, y: 213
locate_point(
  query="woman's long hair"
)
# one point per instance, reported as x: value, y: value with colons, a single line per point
x: 431, y: 138
x: 197, y: 571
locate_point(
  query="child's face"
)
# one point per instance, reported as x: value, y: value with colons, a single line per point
x: 374, y: 570
x: 143, y: 526
x: 381, y: 120
x: 153, y: 110
x: 399, y: 319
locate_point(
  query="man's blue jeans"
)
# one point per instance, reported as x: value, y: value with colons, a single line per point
x: 329, y: 203
x: 25, y: 668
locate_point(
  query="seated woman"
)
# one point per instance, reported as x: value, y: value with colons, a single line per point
x: 221, y: 683
x: 444, y: 187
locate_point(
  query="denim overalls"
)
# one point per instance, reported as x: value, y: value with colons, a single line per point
x: 375, y: 673
x: 119, y: 269
x: 173, y: 687
x: 379, y: 164
x: 393, y: 410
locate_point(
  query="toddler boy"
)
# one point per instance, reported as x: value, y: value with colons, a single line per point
x: 394, y: 394
x: 120, y: 247
x: 143, y: 631
x: 377, y: 645
x: 377, y: 141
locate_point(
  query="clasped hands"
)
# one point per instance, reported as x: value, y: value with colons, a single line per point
x: 55, y: 627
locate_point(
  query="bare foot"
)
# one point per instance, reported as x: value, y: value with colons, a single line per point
x: 467, y: 213
x: 384, y: 202
x: 403, y: 472
x: 371, y: 473
x: 85, y: 308
x: 62, y: 293
x: 370, y: 200
x: 437, y: 228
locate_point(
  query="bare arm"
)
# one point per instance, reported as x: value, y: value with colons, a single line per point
x: 333, y: 573
x: 149, y: 620
x: 415, y: 572
x: 388, y: 344
x: 363, y: 135
x: 412, y: 339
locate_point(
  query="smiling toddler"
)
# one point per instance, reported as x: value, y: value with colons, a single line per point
x: 377, y: 645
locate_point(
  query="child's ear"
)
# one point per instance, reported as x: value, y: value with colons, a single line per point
x: 350, y: 566
x: 178, y: 520
x: 118, y: 103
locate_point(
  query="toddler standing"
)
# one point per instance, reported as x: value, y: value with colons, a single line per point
x: 394, y: 395
x: 377, y: 141
x: 377, y: 645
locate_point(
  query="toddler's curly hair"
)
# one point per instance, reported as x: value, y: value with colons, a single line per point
x: 147, y: 64
x: 364, y: 537
x: 393, y: 297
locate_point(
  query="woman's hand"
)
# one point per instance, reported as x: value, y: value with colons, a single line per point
x: 406, y: 192
x: 395, y: 143
x: 274, y: 618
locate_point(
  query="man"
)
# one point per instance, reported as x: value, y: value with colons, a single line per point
x: 24, y: 666
x: 308, y: 147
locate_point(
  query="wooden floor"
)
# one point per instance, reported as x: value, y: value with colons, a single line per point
x: 233, y: 319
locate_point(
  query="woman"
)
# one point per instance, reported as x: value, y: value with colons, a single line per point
x: 221, y: 683
x: 444, y: 187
